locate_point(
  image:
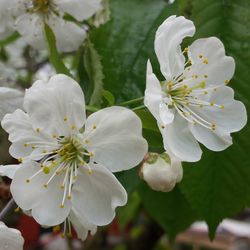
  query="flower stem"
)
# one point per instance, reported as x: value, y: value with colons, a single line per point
x: 131, y: 101
x: 139, y: 107
x: 10, y: 205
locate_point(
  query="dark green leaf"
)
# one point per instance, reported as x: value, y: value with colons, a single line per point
x: 218, y: 185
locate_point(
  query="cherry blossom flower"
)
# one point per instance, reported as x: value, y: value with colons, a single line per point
x: 65, y: 174
x: 192, y: 103
x: 162, y: 172
x: 31, y: 15
x: 10, y: 238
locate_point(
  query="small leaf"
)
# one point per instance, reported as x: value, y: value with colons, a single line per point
x: 93, y: 67
x: 109, y: 97
x: 54, y: 56
x: 13, y: 37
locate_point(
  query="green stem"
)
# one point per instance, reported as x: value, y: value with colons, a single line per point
x: 139, y: 107
x: 131, y: 101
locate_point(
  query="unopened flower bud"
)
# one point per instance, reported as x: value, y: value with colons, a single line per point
x: 161, y: 172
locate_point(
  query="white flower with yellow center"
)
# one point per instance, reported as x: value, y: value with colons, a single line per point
x: 67, y: 161
x: 10, y: 238
x: 192, y: 103
x: 31, y: 15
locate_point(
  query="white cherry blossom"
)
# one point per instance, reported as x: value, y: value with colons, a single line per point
x: 192, y: 103
x: 31, y: 15
x: 10, y: 238
x: 162, y: 172
x: 68, y: 160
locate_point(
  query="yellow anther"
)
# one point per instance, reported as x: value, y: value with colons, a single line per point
x: 200, y: 56
x: 44, y: 151
x: 17, y: 210
x: 205, y: 76
x: 185, y: 86
x: 215, y: 89
x: 33, y: 147
x: 65, y: 118
x: 187, y: 103
x: 94, y: 126
x: 205, y: 61
x: 162, y: 126
x: 62, y: 186
x: 20, y: 160
x: 63, y: 236
x: 54, y: 136
x: 73, y: 127
x: 45, y: 185
x: 189, y: 61
x: 27, y: 181
x: 90, y: 172
x: 57, y: 172
x: 211, y: 103
x: 82, y: 162
x: 205, y: 92
x: 194, y: 122
x: 186, y: 50
x: 213, y: 126
x: 222, y: 106
x: 25, y: 145
x: 56, y: 228
x: 61, y: 206
x: 69, y: 235
x: 38, y: 130
x: 74, y: 178
x: 86, y: 141
x: 91, y: 154
x: 184, y: 113
x: 226, y: 81
x: 46, y: 170
x: 69, y: 197
x: 201, y: 105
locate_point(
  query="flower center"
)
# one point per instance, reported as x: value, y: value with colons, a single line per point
x: 187, y: 96
x: 40, y: 6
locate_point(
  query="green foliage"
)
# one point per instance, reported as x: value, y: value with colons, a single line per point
x: 218, y: 185
x: 54, y: 56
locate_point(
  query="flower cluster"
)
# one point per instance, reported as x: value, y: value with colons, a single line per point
x: 29, y: 16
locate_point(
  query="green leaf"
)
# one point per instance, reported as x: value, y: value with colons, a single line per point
x: 171, y: 210
x: 108, y: 97
x: 13, y: 37
x: 93, y: 67
x: 218, y: 185
x: 126, y: 42
x: 54, y: 56
x: 148, y: 121
x: 128, y: 213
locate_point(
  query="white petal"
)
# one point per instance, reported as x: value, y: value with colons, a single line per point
x: 11, y: 99
x: 212, y: 140
x: 116, y: 140
x: 218, y: 67
x: 69, y: 36
x: 10, y: 238
x: 49, y: 211
x: 97, y: 195
x: 56, y: 106
x: 27, y: 194
x: 30, y: 26
x: 167, y: 44
x: 153, y: 98
x: 178, y: 140
x: 81, y: 224
x: 44, y: 202
x: 231, y: 118
x: 80, y: 9
x: 8, y: 170
x: 21, y: 134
